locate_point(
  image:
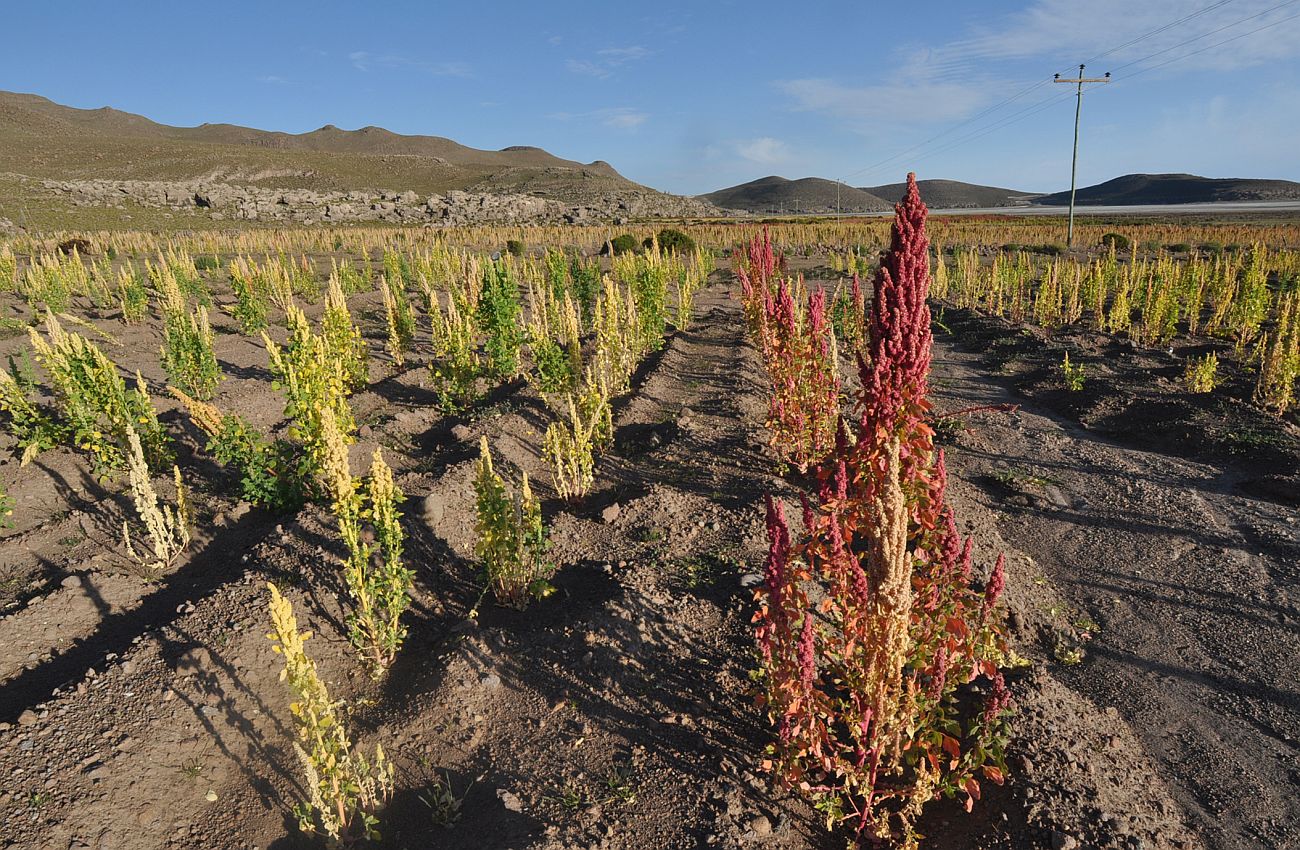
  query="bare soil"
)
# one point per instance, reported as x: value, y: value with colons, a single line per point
x: 618, y: 713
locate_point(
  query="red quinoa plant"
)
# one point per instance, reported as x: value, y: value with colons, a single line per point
x: 874, y: 642
x: 798, y: 346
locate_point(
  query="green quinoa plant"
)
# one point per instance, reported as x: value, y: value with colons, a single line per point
x: 568, y: 448
x: 251, y: 299
x: 1201, y: 374
x: 343, y: 339
x: 378, y: 582
x: 270, y: 472
x: 498, y: 317
x: 312, y: 378
x: 187, y: 353
x: 29, y: 424
x: 167, y: 528
x: 1072, y: 373
x: 512, y: 539
x: 456, y: 367
x: 132, y: 295
x: 94, y: 404
x: 345, y: 790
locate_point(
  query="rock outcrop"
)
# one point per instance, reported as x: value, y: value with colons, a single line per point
x: 304, y: 206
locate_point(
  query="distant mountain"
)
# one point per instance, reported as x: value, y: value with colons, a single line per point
x: 953, y: 194
x: 45, y: 140
x: 807, y: 195
x: 1175, y: 189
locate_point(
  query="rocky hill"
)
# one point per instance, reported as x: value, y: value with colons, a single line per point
x: 1176, y: 189
x: 807, y: 195
x: 108, y: 158
x: 953, y: 194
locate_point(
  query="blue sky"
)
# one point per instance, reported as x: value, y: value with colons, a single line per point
x: 694, y: 96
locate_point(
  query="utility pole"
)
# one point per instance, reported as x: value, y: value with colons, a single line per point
x: 1074, y: 160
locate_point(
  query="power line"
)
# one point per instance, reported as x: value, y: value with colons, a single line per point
x: 1212, y: 32
x: 1158, y: 30
x: 1035, y: 109
x: 1041, y: 105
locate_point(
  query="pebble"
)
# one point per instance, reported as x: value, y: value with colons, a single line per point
x: 610, y: 513
x: 1062, y: 841
x: 760, y: 825
x: 71, y: 581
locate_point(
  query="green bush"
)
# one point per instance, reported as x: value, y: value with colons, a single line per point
x: 1179, y: 248
x: 515, y: 247
x: 207, y: 263
x: 625, y: 244
x: 1118, y: 240
x: 673, y: 241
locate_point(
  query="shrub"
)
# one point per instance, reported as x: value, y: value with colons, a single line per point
x: 672, y: 241
x: 511, y: 536
x: 207, y: 262
x: 1118, y: 241
x: 623, y: 244
x: 515, y: 247
x: 1179, y: 248
x: 345, y: 790
x: 870, y: 687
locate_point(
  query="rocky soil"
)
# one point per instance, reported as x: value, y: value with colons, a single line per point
x: 1150, y: 600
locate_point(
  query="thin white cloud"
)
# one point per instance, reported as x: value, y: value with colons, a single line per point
x: 764, y: 150
x: 607, y: 60
x: 363, y: 60
x: 615, y: 117
x: 590, y: 69
x: 1067, y: 32
x: 620, y: 55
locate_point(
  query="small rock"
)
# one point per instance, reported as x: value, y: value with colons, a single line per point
x: 1062, y: 841
x: 509, y: 800
x: 760, y: 825
x: 610, y: 513
x: 71, y: 581
x: 27, y: 718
